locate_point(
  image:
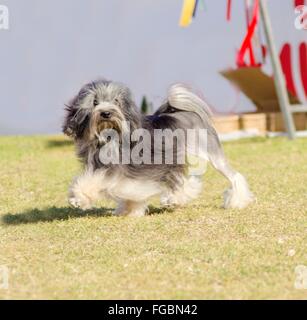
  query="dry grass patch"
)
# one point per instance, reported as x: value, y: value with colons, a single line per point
x: 201, y: 251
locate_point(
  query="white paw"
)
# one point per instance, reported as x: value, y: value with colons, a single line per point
x: 80, y: 203
x: 130, y: 210
x: 136, y: 213
x: 165, y: 201
x: 238, y: 196
x: 235, y: 200
x: 133, y: 214
x: 172, y: 200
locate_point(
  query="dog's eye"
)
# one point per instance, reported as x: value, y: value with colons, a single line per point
x: 171, y: 110
x: 116, y: 101
x: 96, y: 102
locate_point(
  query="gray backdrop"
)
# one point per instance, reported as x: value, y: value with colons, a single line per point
x: 55, y: 46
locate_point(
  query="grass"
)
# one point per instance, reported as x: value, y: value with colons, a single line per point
x: 198, y: 252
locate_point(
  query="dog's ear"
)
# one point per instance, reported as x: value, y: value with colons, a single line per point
x: 68, y: 125
x: 76, y: 119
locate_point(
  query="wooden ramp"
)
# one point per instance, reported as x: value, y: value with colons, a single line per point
x: 258, y: 87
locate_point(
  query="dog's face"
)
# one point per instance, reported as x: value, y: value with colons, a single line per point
x: 100, y: 105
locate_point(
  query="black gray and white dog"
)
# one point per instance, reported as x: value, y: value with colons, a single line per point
x: 103, y: 105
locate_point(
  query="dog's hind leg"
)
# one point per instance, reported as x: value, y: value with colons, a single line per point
x: 238, y: 195
x: 188, y: 190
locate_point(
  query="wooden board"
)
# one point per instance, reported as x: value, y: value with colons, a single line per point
x: 257, y: 86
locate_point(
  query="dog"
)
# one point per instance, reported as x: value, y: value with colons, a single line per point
x: 104, y: 105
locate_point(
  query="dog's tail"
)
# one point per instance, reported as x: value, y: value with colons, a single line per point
x: 183, y: 98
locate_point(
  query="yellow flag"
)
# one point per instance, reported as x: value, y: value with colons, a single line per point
x: 187, y: 12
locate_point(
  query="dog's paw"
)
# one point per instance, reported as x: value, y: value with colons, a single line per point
x: 82, y: 203
x: 239, y: 195
x: 130, y: 209
x: 172, y: 201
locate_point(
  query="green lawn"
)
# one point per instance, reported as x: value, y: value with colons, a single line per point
x: 201, y: 251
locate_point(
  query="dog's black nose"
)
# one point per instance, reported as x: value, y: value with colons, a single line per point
x: 105, y: 114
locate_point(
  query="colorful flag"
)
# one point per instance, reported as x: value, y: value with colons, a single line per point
x: 188, y: 11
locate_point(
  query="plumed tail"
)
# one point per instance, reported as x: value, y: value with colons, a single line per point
x: 183, y: 98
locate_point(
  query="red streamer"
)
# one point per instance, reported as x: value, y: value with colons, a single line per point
x: 299, y: 3
x: 229, y: 2
x: 286, y: 63
x: 247, y: 43
x: 303, y: 65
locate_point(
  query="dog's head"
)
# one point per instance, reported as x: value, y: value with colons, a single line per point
x: 100, y: 105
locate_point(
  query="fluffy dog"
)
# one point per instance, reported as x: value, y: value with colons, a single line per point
x: 104, y: 105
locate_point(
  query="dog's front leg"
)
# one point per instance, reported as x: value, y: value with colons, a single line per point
x: 128, y: 208
x: 85, y: 190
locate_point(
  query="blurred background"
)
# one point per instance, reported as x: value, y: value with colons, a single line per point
x: 53, y: 47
